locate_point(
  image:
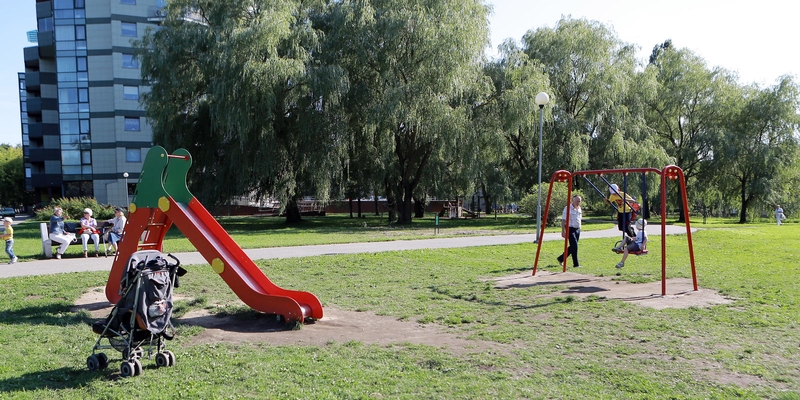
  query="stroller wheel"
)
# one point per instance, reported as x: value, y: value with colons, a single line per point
x: 137, y: 367
x: 171, y: 356
x: 103, y: 360
x: 162, y: 360
x: 126, y: 369
x: 93, y: 363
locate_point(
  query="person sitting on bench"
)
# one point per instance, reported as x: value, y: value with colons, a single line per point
x: 89, y: 229
x: 57, y: 232
x: 118, y: 222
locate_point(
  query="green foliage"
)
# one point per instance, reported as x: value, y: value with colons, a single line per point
x: 558, y: 200
x: 73, y: 208
x: 12, y: 176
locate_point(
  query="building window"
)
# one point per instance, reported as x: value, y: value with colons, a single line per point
x: 127, y: 2
x: 129, y: 29
x: 130, y: 92
x: 133, y: 155
x: 129, y: 61
x: 80, y: 32
x: 132, y: 124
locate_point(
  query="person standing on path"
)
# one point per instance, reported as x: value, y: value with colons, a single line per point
x: 574, y: 229
x: 779, y: 215
x: 8, y: 236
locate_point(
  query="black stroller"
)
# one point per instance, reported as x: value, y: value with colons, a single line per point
x: 142, y: 317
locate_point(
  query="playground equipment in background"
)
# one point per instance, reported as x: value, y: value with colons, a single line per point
x: 668, y: 173
x: 163, y: 199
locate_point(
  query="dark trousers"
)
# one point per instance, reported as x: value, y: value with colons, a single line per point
x: 624, y: 223
x: 574, y: 236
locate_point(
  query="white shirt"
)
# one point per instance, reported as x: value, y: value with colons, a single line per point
x: 575, y: 215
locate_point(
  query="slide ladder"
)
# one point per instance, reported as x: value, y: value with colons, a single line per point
x: 162, y: 200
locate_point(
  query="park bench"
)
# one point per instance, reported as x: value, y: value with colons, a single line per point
x: 47, y: 244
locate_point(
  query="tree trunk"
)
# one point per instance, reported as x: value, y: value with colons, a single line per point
x: 359, y: 208
x: 419, y: 208
x: 745, y: 203
x: 406, y: 207
x: 292, y: 212
x: 487, y: 199
x: 350, y: 204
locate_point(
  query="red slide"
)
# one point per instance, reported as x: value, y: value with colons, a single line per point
x: 236, y: 267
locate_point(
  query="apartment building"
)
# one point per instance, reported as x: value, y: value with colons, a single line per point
x: 84, y: 132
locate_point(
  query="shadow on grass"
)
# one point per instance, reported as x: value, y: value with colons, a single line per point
x: 240, y: 321
x: 56, y: 314
x: 61, y: 378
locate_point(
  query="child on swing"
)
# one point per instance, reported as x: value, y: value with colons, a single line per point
x: 634, y: 244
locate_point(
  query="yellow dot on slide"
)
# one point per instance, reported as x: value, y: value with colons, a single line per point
x: 163, y: 204
x: 218, y: 265
x: 132, y: 208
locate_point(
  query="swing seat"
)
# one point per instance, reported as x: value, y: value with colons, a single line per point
x: 619, y: 250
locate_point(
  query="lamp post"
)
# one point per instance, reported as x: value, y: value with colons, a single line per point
x: 127, y: 202
x: 541, y: 99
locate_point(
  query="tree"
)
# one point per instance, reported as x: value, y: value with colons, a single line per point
x: 759, y: 143
x: 510, y: 118
x: 590, y: 71
x: 413, y: 62
x: 12, y: 176
x: 686, y: 106
x: 238, y: 86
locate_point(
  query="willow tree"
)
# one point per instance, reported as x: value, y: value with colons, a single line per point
x: 510, y: 117
x: 590, y: 71
x: 412, y: 63
x: 759, y: 143
x: 687, y: 106
x: 235, y: 82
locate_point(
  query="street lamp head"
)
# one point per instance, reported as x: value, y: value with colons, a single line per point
x: 541, y: 99
x: 125, y: 175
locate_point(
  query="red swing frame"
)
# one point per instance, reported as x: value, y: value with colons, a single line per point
x: 670, y: 172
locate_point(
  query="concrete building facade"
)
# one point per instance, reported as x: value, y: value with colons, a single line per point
x: 84, y: 132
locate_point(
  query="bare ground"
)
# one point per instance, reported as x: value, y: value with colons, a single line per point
x: 342, y: 326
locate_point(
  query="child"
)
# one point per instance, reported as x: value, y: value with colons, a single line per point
x: 639, y: 243
x: 8, y: 236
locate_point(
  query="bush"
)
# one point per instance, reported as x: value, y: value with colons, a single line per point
x: 73, y: 209
x: 558, y: 201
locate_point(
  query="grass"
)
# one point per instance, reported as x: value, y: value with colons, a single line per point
x: 258, y: 232
x: 562, y: 347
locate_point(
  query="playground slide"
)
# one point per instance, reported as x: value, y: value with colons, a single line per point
x: 236, y: 267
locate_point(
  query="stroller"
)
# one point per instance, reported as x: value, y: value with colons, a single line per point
x: 141, y: 318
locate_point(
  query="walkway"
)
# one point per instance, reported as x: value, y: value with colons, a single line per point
x: 46, y: 267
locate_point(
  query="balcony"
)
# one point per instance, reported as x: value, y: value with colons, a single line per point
x: 31, y: 57
x: 46, y: 180
x: 32, y: 81
x: 34, y: 105
x: 47, y: 45
x: 35, y: 131
x: 40, y: 155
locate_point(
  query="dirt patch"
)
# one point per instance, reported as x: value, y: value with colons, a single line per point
x: 337, y: 326
x: 680, y: 291
x: 343, y: 326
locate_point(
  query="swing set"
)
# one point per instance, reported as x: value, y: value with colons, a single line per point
x: 668, y: 173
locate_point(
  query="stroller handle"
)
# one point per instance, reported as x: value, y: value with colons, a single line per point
x: 177, y: 262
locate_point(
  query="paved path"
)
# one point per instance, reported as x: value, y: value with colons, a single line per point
x: 46, y: 267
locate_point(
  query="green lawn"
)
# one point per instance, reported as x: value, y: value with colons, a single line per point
x: 562, y: 347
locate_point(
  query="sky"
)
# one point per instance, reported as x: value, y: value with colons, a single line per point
x: 755, y: 39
